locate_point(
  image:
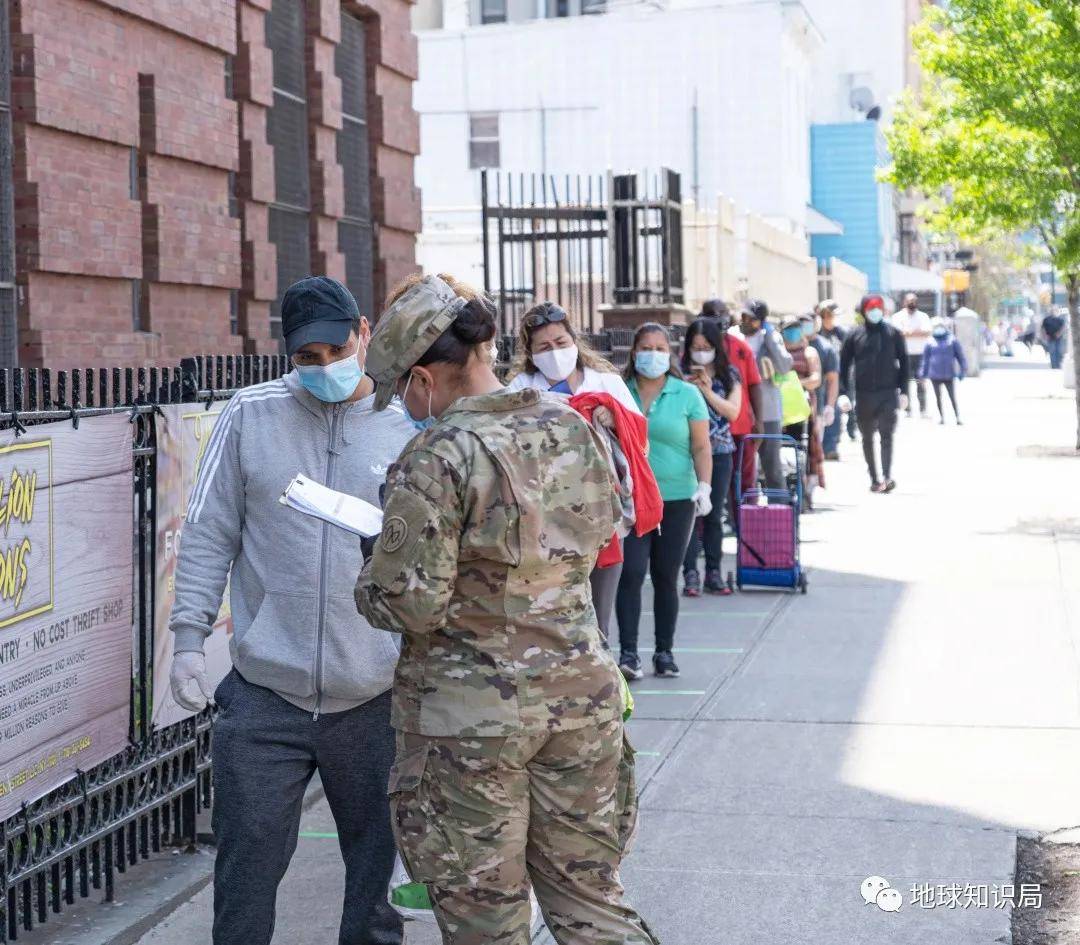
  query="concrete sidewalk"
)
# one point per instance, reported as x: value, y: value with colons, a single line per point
x: 904, y: 719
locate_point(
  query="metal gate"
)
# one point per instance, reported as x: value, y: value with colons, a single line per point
x: 549, y: 238
x: 84, y: 833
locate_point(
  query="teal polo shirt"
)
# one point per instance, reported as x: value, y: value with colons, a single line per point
x: 669, y: 419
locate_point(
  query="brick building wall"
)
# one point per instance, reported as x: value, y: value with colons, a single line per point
x: 144, y: 180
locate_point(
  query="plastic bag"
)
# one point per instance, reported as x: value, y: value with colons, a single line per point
x: 412, y: 902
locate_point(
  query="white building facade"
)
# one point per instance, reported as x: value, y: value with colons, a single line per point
x: 719, y: 93
x: 724, y: 92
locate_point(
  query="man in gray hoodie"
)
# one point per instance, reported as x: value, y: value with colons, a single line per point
x: 310, y: 684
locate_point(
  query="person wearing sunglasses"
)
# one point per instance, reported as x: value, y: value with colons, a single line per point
x: 552, y: 356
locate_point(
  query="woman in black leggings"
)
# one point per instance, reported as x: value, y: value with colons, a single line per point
x: 681, y: 458
x: 944, y: 363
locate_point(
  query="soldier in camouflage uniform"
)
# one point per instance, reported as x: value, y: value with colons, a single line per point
x: 512, y: 767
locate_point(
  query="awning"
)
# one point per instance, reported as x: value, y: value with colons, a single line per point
x: 901, y: 278
x: 817, y: 224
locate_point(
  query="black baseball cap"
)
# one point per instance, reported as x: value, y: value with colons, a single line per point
x: 317, y: 308
x: 756, y: 309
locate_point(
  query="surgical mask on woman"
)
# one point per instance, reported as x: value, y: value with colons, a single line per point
x: 793, y: 335
x: 420, y: 423
x: 557, y: 364
x: 874, y: 316
x: 703, y: 357
x: 652, y: 364
x: 332, y: 383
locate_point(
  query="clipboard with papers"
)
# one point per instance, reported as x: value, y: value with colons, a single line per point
x: 345, y: 511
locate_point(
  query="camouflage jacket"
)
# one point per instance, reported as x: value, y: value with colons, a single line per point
x: 493, y: 521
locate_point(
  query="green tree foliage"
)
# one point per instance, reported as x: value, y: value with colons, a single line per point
x: 994, y: 135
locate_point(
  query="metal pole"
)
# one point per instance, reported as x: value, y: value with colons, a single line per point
x: 696, y: 148
x: 484, y: 228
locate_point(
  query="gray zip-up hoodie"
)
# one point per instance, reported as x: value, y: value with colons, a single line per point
x: 295, y: 626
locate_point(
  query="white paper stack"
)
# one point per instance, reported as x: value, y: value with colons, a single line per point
x: 346, y: 511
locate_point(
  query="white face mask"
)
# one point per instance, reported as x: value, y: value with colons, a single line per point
x: 494, y: 354
x: 558, y: 364
x: 703, y: 357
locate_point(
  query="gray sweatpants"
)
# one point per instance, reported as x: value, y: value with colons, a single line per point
x: 265, y: 751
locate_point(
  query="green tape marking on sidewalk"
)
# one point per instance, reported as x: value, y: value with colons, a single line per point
x: 647, y: 754
x: 315, y: 835
x: 667, y: 692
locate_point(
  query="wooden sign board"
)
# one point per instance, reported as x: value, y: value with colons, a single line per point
x: 66, y: 521
x: 183, y: 433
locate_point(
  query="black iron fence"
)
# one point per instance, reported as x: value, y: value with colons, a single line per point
x: 550, y: 238
x: 80, y: 836
x: 99, y: 824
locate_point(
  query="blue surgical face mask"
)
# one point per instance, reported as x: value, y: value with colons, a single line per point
x: 874, y: 316
x: 652, y: 364
x: 420, y: 424
x: 807, y: 329
x: 334, y: 382
x: 793, y: 335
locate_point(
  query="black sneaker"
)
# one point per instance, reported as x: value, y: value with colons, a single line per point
x: 630, y: 666
x: 714, y: 583
x: 890, y: 484
x: 691, y: 584
x: 664, y: 664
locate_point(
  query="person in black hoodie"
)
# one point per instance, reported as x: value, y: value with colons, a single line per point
x: 877, y: 352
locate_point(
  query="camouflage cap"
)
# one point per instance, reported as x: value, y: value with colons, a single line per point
x: 406, y: 330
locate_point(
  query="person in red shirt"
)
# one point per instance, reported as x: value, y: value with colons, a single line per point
x: 741, y: 358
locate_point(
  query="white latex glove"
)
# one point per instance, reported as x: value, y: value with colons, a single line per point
x: 903, y: 401
x: 843, y: 403
x: 190, y: 687
x: 703, y: 498
x: 828, y: 415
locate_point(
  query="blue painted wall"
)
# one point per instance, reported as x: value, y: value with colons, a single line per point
x: 843, y: 161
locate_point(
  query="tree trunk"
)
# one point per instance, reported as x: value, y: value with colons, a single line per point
x: 1072, y: 281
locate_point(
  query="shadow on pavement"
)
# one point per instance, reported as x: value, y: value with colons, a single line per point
x: 783, y: 791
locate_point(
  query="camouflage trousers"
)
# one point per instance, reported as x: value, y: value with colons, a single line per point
x: 480, y: 820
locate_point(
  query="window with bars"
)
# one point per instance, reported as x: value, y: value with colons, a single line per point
x: 287, y: 131
x: 8, y: 331
x: 483, y: 139
x: 355, y: 235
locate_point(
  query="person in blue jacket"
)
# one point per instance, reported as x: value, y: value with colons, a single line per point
x: 943, y: 362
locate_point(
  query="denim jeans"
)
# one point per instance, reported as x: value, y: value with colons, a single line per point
x: 1055, y: 347
x: 830, y: 442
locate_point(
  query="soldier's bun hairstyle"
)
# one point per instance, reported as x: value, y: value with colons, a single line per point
x: 474, y: 325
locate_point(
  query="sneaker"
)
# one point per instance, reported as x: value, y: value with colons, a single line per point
x: 664, y: 664
x: 888, y: 485
x: 630, y: 666
x: 942, y: 421
x: 691, y: 584
x: 959, y: 422
x: 714, y: 583
x: 877, y: 487
x: 833, y: 456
